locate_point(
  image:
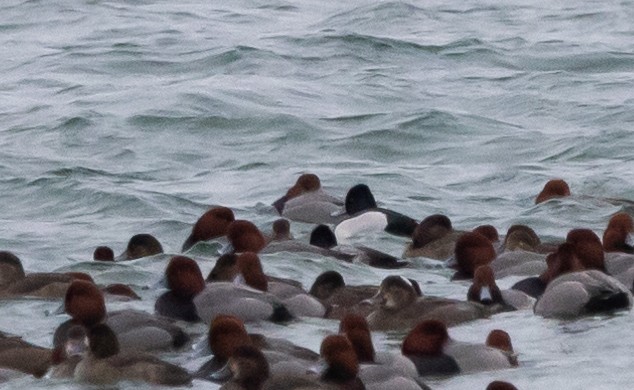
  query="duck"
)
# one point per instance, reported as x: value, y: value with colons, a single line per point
x: 522, y: 253
x: 212, y: 224
x: 280, y: 231
x: 15, y: 283
x: 575, y: 290
x: 322, y: 237
x: 21, y: 356
x: 500, y: 385
x: 587, y: 254
x: 250, y: 275
x: 485, y: 290
x: 141, y: 245
x: 320, y: 243
x: 495, y: 354
x: 104, y: 363
x: 342, y: 365
x: 363, y: 215
x: 244, y: 236
x: 103, y: 253
x: 226, y: 270
x: 378, y: 370
x: 184, y: 281
x: 554, y: 188
x: 340, y: 299
x: 135, y: 329
x: 425, y: 345
x: 306, y: 201
x: 250, y: 370
x: 250, y: 304
x: 434, y: 238
x: 401, y: 308
x: 226, y: 333
x: 471, y: 251
x: 490, y: 232
x: 616, y: 237
x: 433, y: 352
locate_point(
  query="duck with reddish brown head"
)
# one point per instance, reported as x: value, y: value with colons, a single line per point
x: 485, y: 290
x: 555, y: 188
x: 306, y: 201
x: 244, y: 236
x: 212, y: 224
x: 378, y: 370
x: 574, y: 290
x: 137, y: 330
x: 472, y: 250
x: 616, y: 237
x: 185, y: 281
x: 425, y: 345
x: 342, y: 363
x: 246, y: 297
x: 226, y: 333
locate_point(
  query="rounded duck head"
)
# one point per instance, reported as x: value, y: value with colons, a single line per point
x: 307, y: 182
x: 326, y: 284
x: 615, y: 237
x: 244, y: 236
x: 356, y: 329
x: 103, y: 253
x: 225, y: 269
x: 500, y: 385
x: 431, y: 229
x: 428, y: 338
x: 251, y: 270
x: 521, y: 237
x: 80, y: 276
x: 359, y: 198
x: 472, y: 251
x: 184, y: 277
x: 281, y: 230
x: 142, y: 245
x: 84, y: 302
x: 11, y: 268
x: 249, y: 367
x: 555, y: 188
x: 484, y: 278
x: 226, y: 333
x: 500, y: 339
x: 562, y: 262
x: 212, y: 224
x: 396, y: 292
x: 488, y: 231
x: 323, y: 237
x: 339, y: 355
x: 588, y: 248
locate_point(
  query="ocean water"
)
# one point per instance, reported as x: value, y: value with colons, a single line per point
x: 123, y: 117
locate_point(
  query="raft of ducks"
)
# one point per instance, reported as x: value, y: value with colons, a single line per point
x: 580, y: 275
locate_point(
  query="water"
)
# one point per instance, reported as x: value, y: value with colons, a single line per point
x: 121, y: 117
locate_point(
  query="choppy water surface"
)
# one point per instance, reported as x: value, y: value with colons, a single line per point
x: 120, y: 117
